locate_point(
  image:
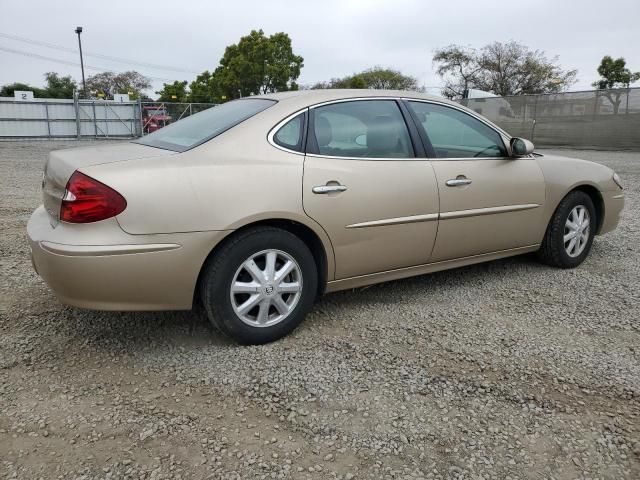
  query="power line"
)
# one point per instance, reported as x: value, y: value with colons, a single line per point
x: 73, y: 64
x: 97, y: 55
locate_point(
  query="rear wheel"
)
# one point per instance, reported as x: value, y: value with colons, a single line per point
x: 259, y: 286
x: 570, y: 232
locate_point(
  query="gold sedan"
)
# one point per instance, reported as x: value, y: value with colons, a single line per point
x: 256, y: 207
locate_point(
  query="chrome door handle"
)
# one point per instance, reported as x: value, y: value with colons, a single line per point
x: 456, y: 182
x: 321, y: 189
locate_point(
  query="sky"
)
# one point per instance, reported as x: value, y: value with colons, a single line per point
x: 336, y: 38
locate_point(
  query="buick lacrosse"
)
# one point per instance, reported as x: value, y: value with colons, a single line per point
x: 256, y: 207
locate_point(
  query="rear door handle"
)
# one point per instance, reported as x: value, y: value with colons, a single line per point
x: 322, y: 189
x: 456, y: 182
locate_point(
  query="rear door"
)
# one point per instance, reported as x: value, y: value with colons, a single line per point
x: 488, y: 201
x: 363, y: 182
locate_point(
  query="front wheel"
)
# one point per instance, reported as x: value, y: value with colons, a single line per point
x: 259, y: 286
x: 570, y: 232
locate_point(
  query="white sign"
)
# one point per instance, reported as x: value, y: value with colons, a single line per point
x: 120, y: 97
x: 23, y: 96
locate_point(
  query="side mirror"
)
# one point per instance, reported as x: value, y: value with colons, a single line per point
x: 520, y: 147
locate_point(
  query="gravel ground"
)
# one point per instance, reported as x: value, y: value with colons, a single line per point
x: 507, y: 370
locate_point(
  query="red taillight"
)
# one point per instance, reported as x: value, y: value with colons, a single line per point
x: 87, y: 200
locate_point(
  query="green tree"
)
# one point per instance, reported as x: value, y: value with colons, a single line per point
x: 59, y: 87
x: 173, y: 92
x: 7, y: 90
x: 322, y: 85
x: 257, y: 64
x: 350, y: 81
x: 460, y: 67
x: 376, y: 77
x: 386, y: 79
x: 108, y: 83
x: 615, y: 74
x: 205, y: 89
x: 501, y: 68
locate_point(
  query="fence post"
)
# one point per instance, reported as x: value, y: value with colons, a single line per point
x: 106, y: 118
x: 76, y: 106
x: 46, y: 111
x: 535, y: 117
x: 95, y: 121
x: 140, y: 115
x: 626, y: 111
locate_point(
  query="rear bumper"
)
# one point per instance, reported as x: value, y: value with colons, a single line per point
x: 613, y: 206
x: 99, y: 266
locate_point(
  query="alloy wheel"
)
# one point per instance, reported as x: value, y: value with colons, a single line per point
x: 266, y: 288
x: 576, y: 231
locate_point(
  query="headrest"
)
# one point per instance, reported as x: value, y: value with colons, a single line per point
x: 323, y: 131
x: 382, y: 135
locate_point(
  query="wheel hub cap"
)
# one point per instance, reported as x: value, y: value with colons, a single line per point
x: 266, y: 288
x: 576, y: 230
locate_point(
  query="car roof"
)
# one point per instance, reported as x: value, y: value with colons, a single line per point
x: 311, y: 97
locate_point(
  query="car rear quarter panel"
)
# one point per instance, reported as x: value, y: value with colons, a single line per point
x: 227, y: 183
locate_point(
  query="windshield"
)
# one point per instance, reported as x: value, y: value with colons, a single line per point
x: 203, y: 126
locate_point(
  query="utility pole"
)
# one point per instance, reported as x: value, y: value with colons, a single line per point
x: 84, y: 85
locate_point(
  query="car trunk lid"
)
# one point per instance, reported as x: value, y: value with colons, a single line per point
x: 62, y: 163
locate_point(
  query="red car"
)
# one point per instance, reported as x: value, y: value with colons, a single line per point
x: 154, y: 118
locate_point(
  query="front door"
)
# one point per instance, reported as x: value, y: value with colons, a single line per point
x: 363, y: 183
x: 488, y: 201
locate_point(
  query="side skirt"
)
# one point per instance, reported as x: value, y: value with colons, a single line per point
x: 362, y: 280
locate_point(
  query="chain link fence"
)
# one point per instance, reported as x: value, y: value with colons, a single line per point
x: 156, y: 115
x: 604, y: 119
x: 62, y: 118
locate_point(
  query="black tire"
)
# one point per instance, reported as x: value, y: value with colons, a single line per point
x: 552, y: 251
x: 221, y: 268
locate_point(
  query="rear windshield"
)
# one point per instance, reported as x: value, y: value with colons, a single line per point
x: 205, y: 125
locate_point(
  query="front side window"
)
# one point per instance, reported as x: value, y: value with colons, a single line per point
x: 205, y: 125
x: 290, y: 134
x: 362, y: 128
x: 455, y: 134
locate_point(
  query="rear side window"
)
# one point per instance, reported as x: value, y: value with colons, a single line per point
x: 197, y: 129
x: 361, y: 128
x: 455, y: 134
x: 290, y: 135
